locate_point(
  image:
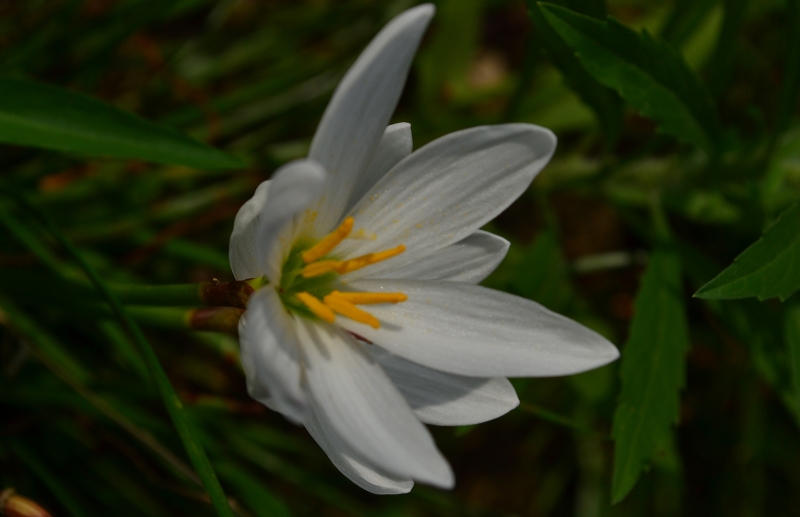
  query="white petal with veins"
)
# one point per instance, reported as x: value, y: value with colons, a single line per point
x: 446, y: 190
x: 471, y: 330
x: 354, y: 397
x: 396, y: 144
x: 243, y: 244
x: 352, y: 464
x: 294, y: 187
x: 469, y: 260
x: 363, y: 103
x: 441, y: 398
x: 269, y: 351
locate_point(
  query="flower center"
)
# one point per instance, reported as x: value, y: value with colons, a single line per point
x: 309, y: 274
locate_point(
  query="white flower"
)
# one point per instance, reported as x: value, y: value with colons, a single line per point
x: 367, y: 321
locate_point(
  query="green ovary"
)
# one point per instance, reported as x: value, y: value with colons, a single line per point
x: 293, y: 282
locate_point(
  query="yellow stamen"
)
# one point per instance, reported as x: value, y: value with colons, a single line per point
x: 329, y: 242
x: 368, y: 259
x: 320, y: 268
x: 349, y: 310
x: 317, y: 307
x: 369, y: 298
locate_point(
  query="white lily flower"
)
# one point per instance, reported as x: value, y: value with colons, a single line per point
x: 367, y: 322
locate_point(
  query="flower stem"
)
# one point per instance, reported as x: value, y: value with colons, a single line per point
x: 218, y: 319
x: 216, y: 294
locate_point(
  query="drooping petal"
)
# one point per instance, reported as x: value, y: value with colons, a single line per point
x: 270, y: 355
x: 441, y: 398
x: 354, y: 397
x: 446, y: 190
x: 361, y: 107
x: 352, y: 464
x: 396, y: 144
x: 470, y: 330
x: 469, y: 260
x: 242, y: 249
x: 292, y: 190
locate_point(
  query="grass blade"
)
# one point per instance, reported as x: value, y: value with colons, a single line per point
x: 42, y: 115
x: 182, y: 422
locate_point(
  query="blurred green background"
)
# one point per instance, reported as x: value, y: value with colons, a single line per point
x: 84, y: 431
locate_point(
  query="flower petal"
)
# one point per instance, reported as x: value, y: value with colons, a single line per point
x: 469, y: 260
x: 242, y: 249
x: 396, y: 144
x: 354, y: 397
x: 446, y: 190
x: 470, y: 330
x: 352, y: 464
x: 292, y: 190
x: 361, y: 107
x: 441, y: 398
x: 270, y: 355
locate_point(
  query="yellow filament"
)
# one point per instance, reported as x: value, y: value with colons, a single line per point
x: 320, y: 268
x: 368, y: 259
x: 349, y: 310
x: 317, y: 307
x: 329, y: 242
x: 369, y: 298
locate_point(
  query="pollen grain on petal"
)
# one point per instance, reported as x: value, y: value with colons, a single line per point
x: 369, y: 259
x: 317, y: 307
x: 329, y: 242
x: 349, y: 310
x: 320, y: 268
x: 370, y: 298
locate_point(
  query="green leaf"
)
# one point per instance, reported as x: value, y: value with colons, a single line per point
x: 768, y: 268
x: 605, y: 102
x: 645, y: 70
x: 652, y: 372
x: 42, y: 115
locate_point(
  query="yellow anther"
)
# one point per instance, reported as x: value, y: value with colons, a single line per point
x: 320, y: 268
x: 317, y: 307
x: 349, y: 310
x: 369, y: 259
x: 329, y: 242
x: 369, y: 298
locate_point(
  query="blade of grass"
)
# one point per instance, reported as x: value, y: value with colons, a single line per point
x: 50, y: 480
x: 42, y: 345
x: 555, y: 418
x: 183, y: 424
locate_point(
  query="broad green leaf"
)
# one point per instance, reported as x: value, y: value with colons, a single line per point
x: 645, y: 70
x: 42, y: 115
x: 792, y: 333
x: 768, y: 268
x: 652, y: 372
x: 605, y: 102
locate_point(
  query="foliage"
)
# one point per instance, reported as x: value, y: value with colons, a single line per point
x: 132, y: 132
x: 652, y: 371
x: 766, y: 269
